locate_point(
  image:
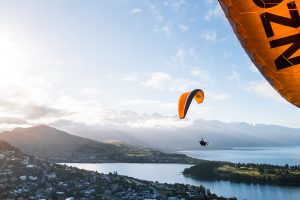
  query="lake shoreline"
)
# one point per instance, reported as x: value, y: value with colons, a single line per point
x: 295, y: 182
x: 172, y: 173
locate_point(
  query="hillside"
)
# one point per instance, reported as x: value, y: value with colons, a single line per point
x: 54, y: 145
x: 5, y: 146
x: 51, y: 144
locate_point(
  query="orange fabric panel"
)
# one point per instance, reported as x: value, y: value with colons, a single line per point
x: 269, y: 32
x: 181, y: 104
x: 199, y: 97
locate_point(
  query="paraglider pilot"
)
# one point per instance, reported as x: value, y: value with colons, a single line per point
x: 203, y: 143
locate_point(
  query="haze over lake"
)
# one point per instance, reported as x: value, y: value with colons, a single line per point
x: 171, y: 173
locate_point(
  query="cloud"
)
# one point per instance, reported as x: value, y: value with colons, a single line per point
x: 218, y: 96
x: 209, y: 35
x: 33, y: 112
x: 158, y: 80
x: 8, y: 127
x: 149, y: 104
x: 6, y: 104
x: 227, y: 54
x: 209, y: 1
x: 197, y: 111
x: 263, y: 89
x: 165, y: 29
x: 180, y: 55
x: 12, y: 120
x: 176, y: 5
x: 215, y: 12
x: 17, y: 99
x: 124, y: 120
x: 84, y: 111
x: 163, y: 122
x: 134, y: 120
x: 155, y: 12
x: 136, y: 11
x: 53, y: 62
x: 89, y: 92
x: 202, y: 75
x: 164, y: 81
x: 130, y: 77
x: 182, y: 84
x: 234, y: 76
x: 27, y: 108
x: 33, y: 101
x: 183, y: 28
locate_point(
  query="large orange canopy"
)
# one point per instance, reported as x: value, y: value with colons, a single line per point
x: 269, y: 32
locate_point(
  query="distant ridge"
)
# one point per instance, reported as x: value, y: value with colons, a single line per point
x: 219, y: 134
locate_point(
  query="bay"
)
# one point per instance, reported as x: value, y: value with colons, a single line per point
x: 171, y: 173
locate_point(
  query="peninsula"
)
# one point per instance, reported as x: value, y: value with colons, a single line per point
x: 247, y: 173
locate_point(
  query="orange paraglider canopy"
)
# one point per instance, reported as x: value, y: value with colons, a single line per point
x: 185, y: 100
x: 269, y: 31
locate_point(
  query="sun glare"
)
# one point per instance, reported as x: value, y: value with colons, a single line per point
x: 13, y: 60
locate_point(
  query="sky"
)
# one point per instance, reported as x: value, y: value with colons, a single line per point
x: 124, y: 63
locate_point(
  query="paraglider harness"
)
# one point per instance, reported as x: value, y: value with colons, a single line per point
x: 203, y: 143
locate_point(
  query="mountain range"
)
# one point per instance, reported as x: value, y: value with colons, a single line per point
x: 145, y: 145
x: 218, y: 134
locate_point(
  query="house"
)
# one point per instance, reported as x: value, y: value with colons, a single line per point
x: 32, y: 178
x: 23, y: 178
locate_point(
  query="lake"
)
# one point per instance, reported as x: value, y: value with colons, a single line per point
x: 171, y: 173
x: 269, y: 155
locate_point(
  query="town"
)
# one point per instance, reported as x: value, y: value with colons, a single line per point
x: 27, y: 177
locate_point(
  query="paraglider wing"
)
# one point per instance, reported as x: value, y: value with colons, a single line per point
x: 269, y: 31
x: 185, y: 100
